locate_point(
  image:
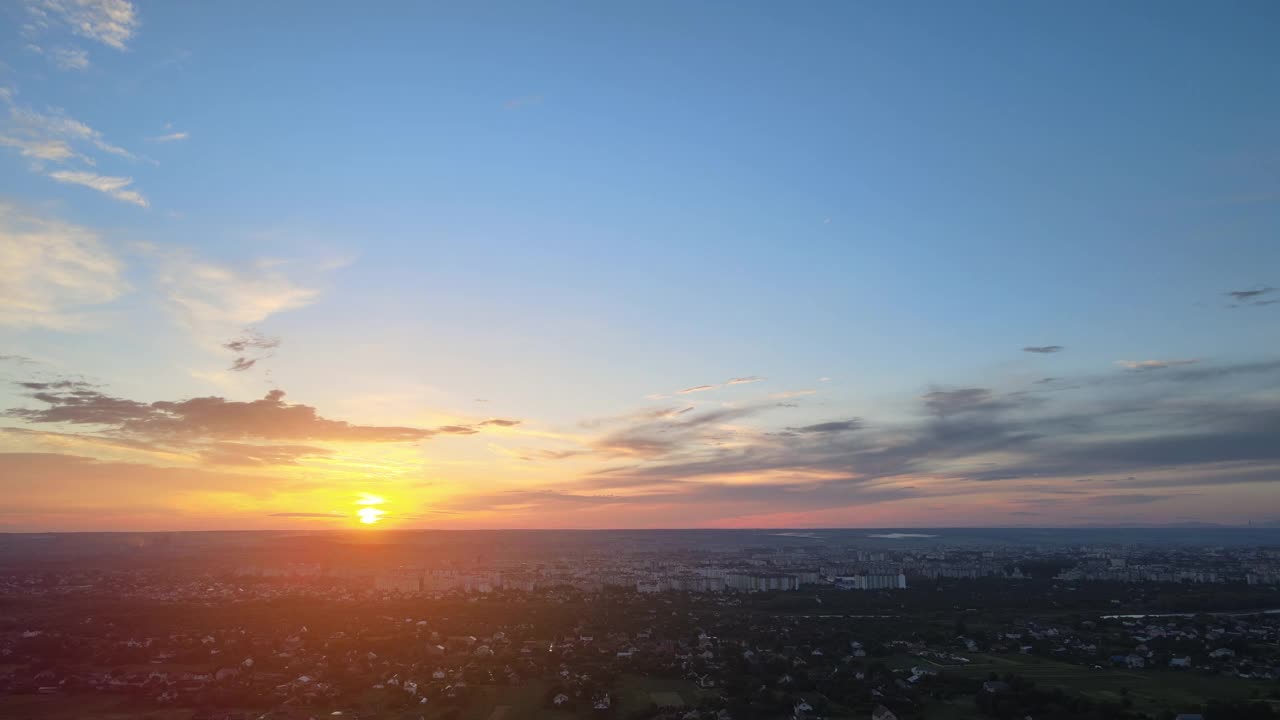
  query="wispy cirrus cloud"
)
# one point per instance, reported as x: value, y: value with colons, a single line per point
x: 55, y: 138
x: 52, y: 271
x: 1043, y: 349
x: 788, y: 394
x: 743, y: 380
x: 1148, y: 365
x: 116, y: 187
x: 171, y: 137
x: 214, y: 300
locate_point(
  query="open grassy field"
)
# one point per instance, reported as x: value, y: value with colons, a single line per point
x: 637, y: 693
x: 527, y: 701
x: 1151, y: 690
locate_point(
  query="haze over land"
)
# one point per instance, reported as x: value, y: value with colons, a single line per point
x: 297, y: 267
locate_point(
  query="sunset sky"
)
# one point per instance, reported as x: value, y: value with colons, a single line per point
x: 492, y: 265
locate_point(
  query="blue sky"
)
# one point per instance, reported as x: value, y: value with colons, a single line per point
x: 564, y: 209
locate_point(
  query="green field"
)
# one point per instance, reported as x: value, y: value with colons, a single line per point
x: 1150, y: 690
x: 631, y: 693
x: 638, y: 693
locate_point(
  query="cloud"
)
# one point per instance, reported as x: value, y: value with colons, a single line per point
x: 1250, y: 294
x: 234, y: 453
x: 663, y: 432
x: 214, y: 300
x: 171, y: 137
x: 964, y: 400
x: 212, y: 430
x: 1043, y: 349
x: 830, y: 427
x: 53, y: 137
x: 542, y: 454
x: 56, y: 385
x: 787, y: 394
x: 249, y: 340
x: 976, y: 434
x: 743, y: 380
x: 30, y: 128
x: 307, y: 515
x: 212, y: 418
x: 252, y: 339
x: 501, y: 422
x: 110, y: 22
x: 1148, y: 365
x: 52, y: 270
x: 1130, y: 499
x: 68, y: 58
x: 1253, y: 297
x: 116, y: 187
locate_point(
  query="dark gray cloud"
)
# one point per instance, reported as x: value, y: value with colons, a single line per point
x: 252, y: 340
x: 269, y: 418
x: 1130, y: 499
x: 799, y: 494
x: 1166, y: 425
x: 965, y: 400
x: 670, y: 432
x: 57, y: 385
x: 830, y: 427
x: 250, y: 347
x: 219, y: 431
x: 1043, y: 349
x: 1257, y: 297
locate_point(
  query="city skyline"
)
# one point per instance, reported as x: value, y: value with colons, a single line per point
x: 297, y: 267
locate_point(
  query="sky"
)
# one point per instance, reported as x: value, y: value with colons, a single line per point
x: 583, y: 265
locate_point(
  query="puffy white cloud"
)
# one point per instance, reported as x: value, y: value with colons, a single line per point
x: 110, y: 22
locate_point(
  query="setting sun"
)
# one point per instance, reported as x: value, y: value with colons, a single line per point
x: 370, y: 514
